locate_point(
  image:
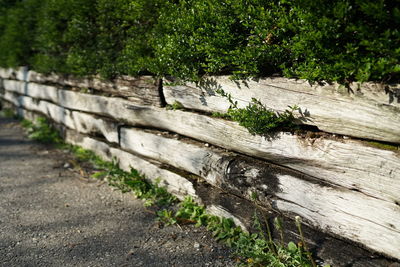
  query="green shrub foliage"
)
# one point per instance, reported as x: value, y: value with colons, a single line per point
x: 345, y: 40
x: 17, y: 30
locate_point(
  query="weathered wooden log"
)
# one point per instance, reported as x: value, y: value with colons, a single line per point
x: 353, y: 164
x: 79, y: 121
x: 7, y: 73
x: 176, y: 184
x: 338, y: 210
x: 34, y: 90
x: 12, y: 98
x: 142, y: 90
x: 20, y: 73
x: 370, y: 110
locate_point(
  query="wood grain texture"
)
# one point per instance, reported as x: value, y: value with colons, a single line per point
x: 353, y: 215
x: 34, y: 90
x: 175, y: 184
x: 142, y: 90
x: 370, y: 110
x: 6, y: 73
x: 79, y: 121
x: 353, y: 164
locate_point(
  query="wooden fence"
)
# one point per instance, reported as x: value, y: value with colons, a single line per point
x: 336, y: 179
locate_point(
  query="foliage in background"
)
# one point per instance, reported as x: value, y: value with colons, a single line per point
x: 65, y: 37
x: 317, y: 40
x: 17, y: 31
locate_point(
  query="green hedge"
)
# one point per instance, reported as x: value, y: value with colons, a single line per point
x: 317, y: 40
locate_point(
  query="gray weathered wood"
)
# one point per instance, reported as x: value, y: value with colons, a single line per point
x: 142, y: 90
x: 34, y: 90
x: 7, y: 73
x: 275, y: 148
x: 370, y: 111
x: 52, y: 78
x: 20, y: 73
x: 353, y: 164
x: 14, y: 86
x: 353, y: 215
x: 12, y: 98
x: 175, y: 184
x: 330, y: 107
x: 79, y: 121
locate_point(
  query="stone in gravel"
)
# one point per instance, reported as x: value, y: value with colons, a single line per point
x: 67, y: 165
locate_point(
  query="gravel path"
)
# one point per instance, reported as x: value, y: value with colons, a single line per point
x: 51, y: 216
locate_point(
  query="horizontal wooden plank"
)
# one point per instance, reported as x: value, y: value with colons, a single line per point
x: 329, y: 107
x: 7, y: 73
x: 353, y: 164
x: 34, y: 90
x: 369, y: 111
x: 20, y: 73
x: 176, y: 184
x: 367, y: 220
x: 205, y: 162
x: 12, y: 98
x: 142, y: 90
x: 79, y: 121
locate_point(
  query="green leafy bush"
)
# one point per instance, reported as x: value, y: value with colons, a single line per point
x: 317, y: 40
x: 66, y: 37
x: 17, y: 31
x: 94, y: 36
x: 329, y: 40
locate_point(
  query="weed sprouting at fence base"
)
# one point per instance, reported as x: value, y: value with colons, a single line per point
x: 7, y: 113
x: 253, y: 249
x: 42, y: 131
x: 133, y: 181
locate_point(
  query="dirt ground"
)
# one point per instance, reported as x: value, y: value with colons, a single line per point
x: 51, y: 216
